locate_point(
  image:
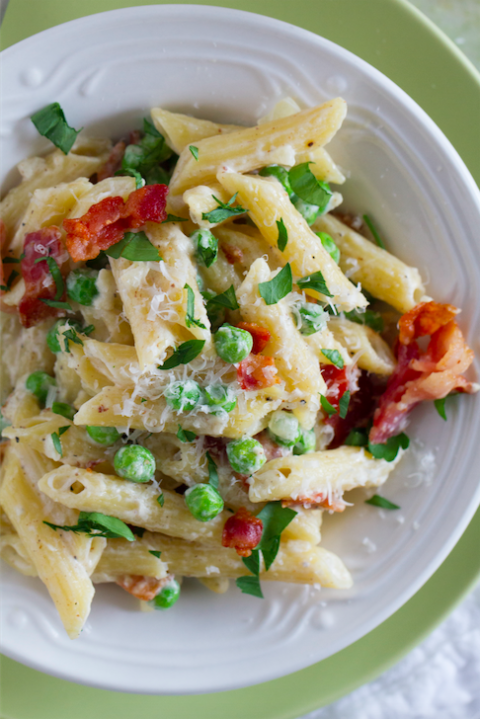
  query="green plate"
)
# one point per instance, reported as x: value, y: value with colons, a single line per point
x: 398, y: 40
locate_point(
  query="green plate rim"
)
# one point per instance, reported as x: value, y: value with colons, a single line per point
x: 326, y: 681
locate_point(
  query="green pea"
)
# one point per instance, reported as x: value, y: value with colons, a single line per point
x: 39, y: 383
x: 246, y: 455
x: 167, y: 596
x: 53, y: 339
x: 232, y: 343
x: 183, y: 395
x: 206, y: 246
x: 312, y: 317
x: 220, y: 397
x: 284, y: 428
x: 329, y: 245
x: 103, y: 435
x: 280, y: 173
x: 308, y: 212
x: 204, y: 502
x: 81, y: 286
x: 135, y: 463
x: 306, y: 442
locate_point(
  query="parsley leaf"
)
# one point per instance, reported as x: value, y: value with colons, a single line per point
x: 253, y: 562
x: 174, y: 218
x: 282, y: 235
x: 315, y: 281
x: 56, y: 439
x: 212, y: 472
x: 186, y: 352
x: 98, y: 525
x: 389, y: 450
x: 51, y: 123
x: 374, y: 232
x: 226, y: 299
x: 136, y: 247
x: 138, y: 531
x: 223, y: 211
x: 13, y: 275
x: 189, y: 318
x: 366, y: 317
x: 148, y: 153
x: 278, y: 287
x: 194, y: 151
x: 326, y: 406
x: 378, y: 501
x: 64, y: 410
x: 139, y: 181
x: 71, y: 334
x: 10, y: 261
x: 306, y: 186
x: 335, y: 357
x: 185, y: 436
x: 57, y: 305
x: 275, y: 519
x: 56, y: 274
x: 161, y: 499
x: 343, y: 404
x: 155, y: 553
x: 357, y: 438
x: 440, y: 405
x: 250, y: 585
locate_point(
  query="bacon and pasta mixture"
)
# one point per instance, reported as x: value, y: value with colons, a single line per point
x: 201, y: 355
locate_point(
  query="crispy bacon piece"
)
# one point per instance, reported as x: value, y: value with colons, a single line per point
x: 39, y: 282
x: 242, y: 531
x: 424, y: 319
x: 419, y: 376
x: 360, y: 409
x: 106, y: 222
x: 145, y: 588
x: 257, y: 372
x: 260, y: 335
x: 113, y: 162
x: 232, y: 254
x: 337, y: 382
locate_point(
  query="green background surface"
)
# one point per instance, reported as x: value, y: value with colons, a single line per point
x: 398, y: 40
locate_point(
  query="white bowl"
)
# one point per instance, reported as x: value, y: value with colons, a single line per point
x: 107, y: 70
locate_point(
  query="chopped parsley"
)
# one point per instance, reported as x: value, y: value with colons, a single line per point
x: 306, y: 186
x: 226, y: 299
x: 366, y: 317
x: 282, y: 235
x: 145, y: 156
x: 136, y: 247
x: 64, y: 410
x: 194, y: 151
x: 155, y: 553
x: 223, y: 211
x: 250, y: 585
x: 315, y: 281
x: 343, y: 404
x: 212, y: 472
x: 186, y: 352
x: 378, y: 501
x: 12, y: 277
x: 185, y: 436
x: 374, y: 232
x: 51, y: 123
x: 389, y: 450
x: 57, y: 276
x: 56, y: 439
x: 161, y: 499
x: 357, y: 438
x: 440, y: 405
x: 174, y: 218
x: 326, y: 406
x: 278, y: 287
x: 189, y: 318
x: 96, y: 524
x: 335, y: 357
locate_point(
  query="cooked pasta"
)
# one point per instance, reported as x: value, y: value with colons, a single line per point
x: 192, y: 374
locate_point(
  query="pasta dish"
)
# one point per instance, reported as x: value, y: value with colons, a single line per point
x: 201, y: 354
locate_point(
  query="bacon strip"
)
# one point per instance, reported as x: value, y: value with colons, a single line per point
x: 106, y: 222
x: 145, y: 588
x: 232, y: 253
x: 242, y: 531
x: 257, y: 372
x: 428, y: 375
x: 39, y: 282
x: 260, y: 335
